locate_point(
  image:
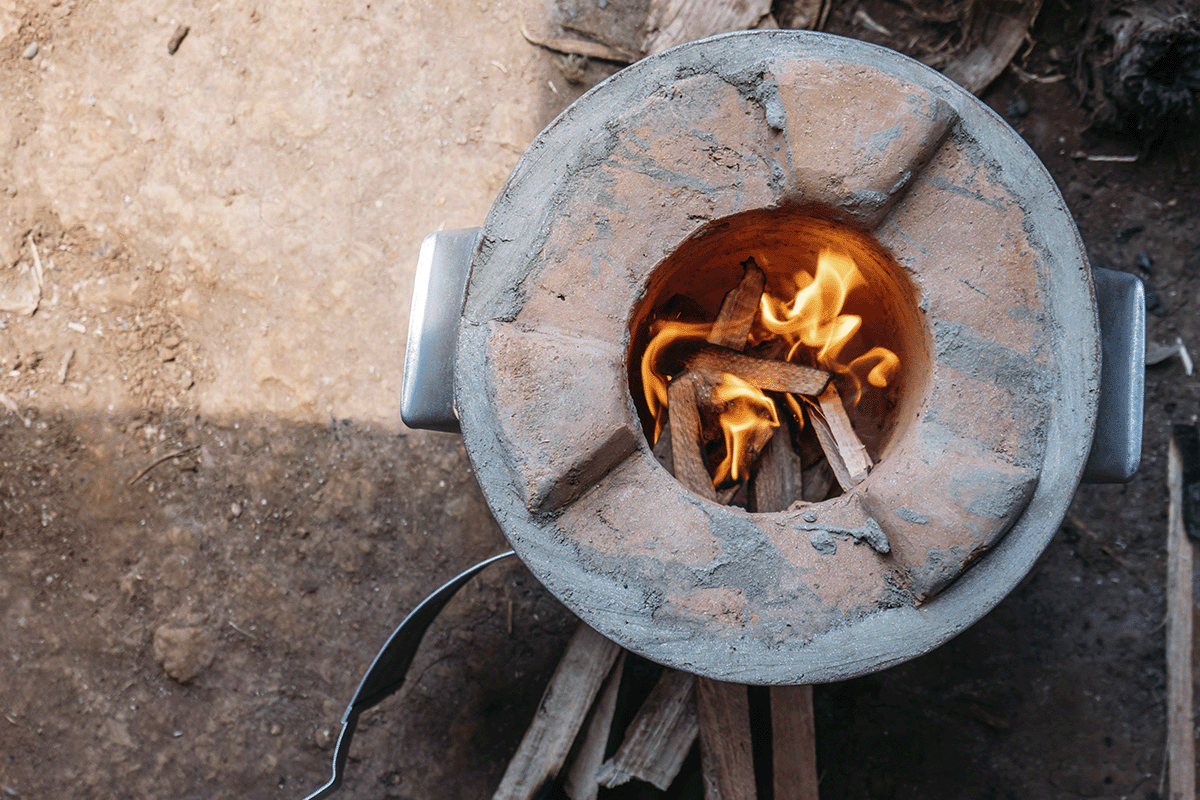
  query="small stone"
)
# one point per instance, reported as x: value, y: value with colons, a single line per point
x: 31, y: 50
x: 823, y: 542
x: 183, y: 652
x: 165, y: 354
x: 1142, y: 260
x: 323, y: 737
x: 276, y: 729
x: 809, y: 516
x: 235, y: 510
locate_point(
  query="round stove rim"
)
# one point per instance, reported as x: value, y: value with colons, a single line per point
x: 890, y: 636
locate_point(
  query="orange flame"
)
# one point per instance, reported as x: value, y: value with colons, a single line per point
x: 748, y: 416
x: 664, y: 333
x: 807, y: 324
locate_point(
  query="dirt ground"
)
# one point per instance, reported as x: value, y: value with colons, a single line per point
x: 226, y: 238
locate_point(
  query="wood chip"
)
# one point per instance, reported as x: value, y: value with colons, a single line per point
x: 560, y: 715
x: 732, y: 326
x: 725, y: 755
x: 582, y: 778
x: 685, y: 436
x: 793, y: 742
x: 660, y: 736
x: 770, y: 376
x: 177, y: 39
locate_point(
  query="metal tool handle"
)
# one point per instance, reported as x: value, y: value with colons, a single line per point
x: 443, y: 267
x: 386, y: 674
x: 1117, y: 441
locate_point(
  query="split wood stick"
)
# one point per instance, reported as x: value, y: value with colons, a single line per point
x: 660, y: 736
x: 725, y: 755
x: 793, y: 733
x: 1181, y: 743
x: 711, y: 361
x: 843, y: 449
x: 793, y: 743
x: 732, y: 326
x: 582, y: 778
x: 565, y: 703
x: 685, y: 436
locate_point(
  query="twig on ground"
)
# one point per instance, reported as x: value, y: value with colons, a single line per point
x: 158, y: 461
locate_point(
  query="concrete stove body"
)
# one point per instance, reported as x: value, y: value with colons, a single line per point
x: 751, y: 144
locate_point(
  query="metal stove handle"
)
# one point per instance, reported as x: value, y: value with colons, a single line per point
x: 1117, y: 441
x: 427, y: 393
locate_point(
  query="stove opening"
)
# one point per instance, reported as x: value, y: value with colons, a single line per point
x: 775, y: 358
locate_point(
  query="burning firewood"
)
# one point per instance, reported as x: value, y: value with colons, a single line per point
x: 733, y: 323
x: 712, y: 361
x: 685, y: 437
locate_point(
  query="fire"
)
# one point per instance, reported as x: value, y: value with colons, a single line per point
x: 815, y: 331
x: 801, y: 318
x: 748, y: 417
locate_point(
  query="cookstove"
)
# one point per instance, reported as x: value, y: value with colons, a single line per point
x: 1019, y: 367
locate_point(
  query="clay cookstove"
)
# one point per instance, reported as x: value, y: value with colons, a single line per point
x: 648, y: 196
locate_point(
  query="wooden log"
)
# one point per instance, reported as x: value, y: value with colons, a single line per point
x: 793, y: 743
x: 711, y: 361
x: 685, y: 436
x: 565, y: 703
x: 779, y: 476
x: 843, y: 449
x: 732, y: 326
x: 660, y: 736
x: 725, y: 754
x: 1181, y: 742
x: 582, y: 781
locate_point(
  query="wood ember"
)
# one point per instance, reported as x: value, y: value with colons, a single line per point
x: 732, y: 326
x: 711, y: 361
x: 725, y: 754
x: 569, y: 695
x: 582, y: 778
x: 660, y: 736
x: 685, y: 437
